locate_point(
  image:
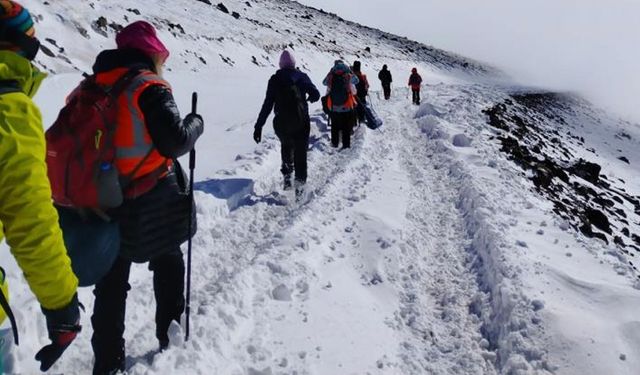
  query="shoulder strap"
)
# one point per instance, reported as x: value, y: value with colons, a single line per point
x: 8, y: 86
x: 122, y: 83
x: 143, y: 77
x: 125, y: 181
x: 7, y: 309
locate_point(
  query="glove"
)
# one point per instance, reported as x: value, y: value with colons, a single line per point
x: 63, y: 326
x: 257, y: 135
x: 194, y: 121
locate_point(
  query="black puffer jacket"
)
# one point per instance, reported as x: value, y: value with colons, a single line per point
x: 385, y: 77
x: 155, y: 222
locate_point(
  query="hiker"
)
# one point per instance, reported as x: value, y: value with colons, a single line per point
x: 28, y: 219
x: 362, y: 90
x: 288, y: 91
x: 153, y: 219
x: 341, y: 102
x: 385, y: 78
x: 415, y: 82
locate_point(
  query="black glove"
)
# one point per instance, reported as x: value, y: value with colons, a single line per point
x: 257, y: 135
x: 194, y: 121
x: 63, y: 326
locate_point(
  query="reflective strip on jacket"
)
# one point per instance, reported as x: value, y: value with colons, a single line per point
x: 132, y: 140
x: 27, y: 216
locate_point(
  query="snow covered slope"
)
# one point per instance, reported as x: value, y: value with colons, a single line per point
x: 463, y: 237
x: 234, y: 33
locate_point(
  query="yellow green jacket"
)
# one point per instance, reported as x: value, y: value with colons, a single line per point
x: 28, y: 219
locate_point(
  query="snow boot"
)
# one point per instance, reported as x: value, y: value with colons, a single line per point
x: 299, y: 191
x: 287, y: 184
x: 110, y: 366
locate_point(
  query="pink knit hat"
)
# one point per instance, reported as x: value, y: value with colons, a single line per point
x: 287, y: 60
x: 142, y: 36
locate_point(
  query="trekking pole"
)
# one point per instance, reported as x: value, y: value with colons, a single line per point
x: 192, y: 167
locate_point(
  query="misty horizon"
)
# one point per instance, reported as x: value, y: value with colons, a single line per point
x: 587, y: 47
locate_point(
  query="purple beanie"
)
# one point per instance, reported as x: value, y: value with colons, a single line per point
x: 287, y: 60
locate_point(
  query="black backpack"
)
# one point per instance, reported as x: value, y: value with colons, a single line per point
x: 291, y: 116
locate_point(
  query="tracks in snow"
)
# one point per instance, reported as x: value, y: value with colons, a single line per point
x: 377, y: 272
x: 439, y: 285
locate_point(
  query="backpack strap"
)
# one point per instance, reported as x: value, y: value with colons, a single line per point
x: 125, y: 181
x: 7, y: 309
x: 9, y: 86
x: 123, y: 82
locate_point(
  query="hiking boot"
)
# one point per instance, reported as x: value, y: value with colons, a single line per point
x: 299, y: 190
x: 109, y: 366
x: 163, y: 345
x: 286, y: 185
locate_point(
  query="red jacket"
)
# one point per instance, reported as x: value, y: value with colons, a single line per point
x: 415, y: 81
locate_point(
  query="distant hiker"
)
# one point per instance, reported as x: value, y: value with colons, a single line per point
x: 149, y: 135
x: 288, y: 91
x: 28, y: 219
x: 415, y: 82
x: 341, y: 102
x: 385, y: 79
x: 362, y: 89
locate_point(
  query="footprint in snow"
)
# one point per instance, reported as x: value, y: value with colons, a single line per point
x: 281, y: 293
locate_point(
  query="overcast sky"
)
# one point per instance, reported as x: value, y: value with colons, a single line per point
x: 589, y: 46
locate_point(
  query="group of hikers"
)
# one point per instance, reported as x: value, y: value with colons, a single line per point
x: 119, y: 194
x: 345, y: 102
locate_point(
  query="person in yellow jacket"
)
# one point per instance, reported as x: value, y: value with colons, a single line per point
x: 28, y: 218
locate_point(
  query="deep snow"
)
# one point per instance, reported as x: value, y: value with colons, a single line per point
x: 421, y: 250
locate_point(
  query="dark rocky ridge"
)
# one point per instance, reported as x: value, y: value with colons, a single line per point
x: 582, y: 195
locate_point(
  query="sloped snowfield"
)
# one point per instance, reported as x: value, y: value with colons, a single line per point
x: 423, y: 249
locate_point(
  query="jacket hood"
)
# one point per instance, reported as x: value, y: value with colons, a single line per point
x: 340, y: 68
x: 122, y: 58
x: 19, y: 70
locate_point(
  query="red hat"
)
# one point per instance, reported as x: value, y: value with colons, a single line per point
x: 414, y: 70
x: 142, y: 36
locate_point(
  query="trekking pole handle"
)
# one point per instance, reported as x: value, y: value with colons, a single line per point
x: 194, y: 109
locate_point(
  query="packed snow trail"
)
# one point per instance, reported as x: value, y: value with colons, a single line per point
x: 379, y: 254
x: 312, y: 264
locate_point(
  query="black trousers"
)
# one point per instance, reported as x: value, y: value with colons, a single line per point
x: 386, y: 88
x: 294, y: 157
x: 108, y: 319
x: 416, y: 96
x: 342, y: 124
